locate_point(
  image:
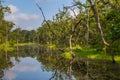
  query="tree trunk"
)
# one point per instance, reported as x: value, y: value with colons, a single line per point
x: 87, y: 38
x: 70, y: 44
x: 112, y: 54
x: 70, y: 69
x: 17, y: 43
x: 113, y: 58
x: 96, y: 15
x: 6, y: 39
x: 71, y: 36
x: 17, y: 39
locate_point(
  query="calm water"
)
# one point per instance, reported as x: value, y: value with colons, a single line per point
x: 33, y: 63
x: 27, y: 69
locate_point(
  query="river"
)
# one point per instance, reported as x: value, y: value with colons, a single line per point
x: 39, y: 63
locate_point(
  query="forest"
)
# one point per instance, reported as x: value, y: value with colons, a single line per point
x: 93, y: 31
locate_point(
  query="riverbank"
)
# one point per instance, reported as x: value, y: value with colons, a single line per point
x: 90, y: 53
x: 11, y: 47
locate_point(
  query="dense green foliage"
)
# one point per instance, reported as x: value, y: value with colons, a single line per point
x: 95, y: 24
x: 5, y: 28
x: 87, y: 34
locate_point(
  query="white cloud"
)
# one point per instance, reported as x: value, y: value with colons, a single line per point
x: 10, y: 75
x: 25, y: 65
x: 13, y: 8
x: 25, y: 68
x: 13, y: 73
x: 22, y: 19
x: 16, y: 15
x: 21, y: 16
x: 42, y: 0
x: 74, y: 13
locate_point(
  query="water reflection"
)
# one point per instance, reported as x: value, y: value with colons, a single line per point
x: 40, y: 63
x: 27, y: 69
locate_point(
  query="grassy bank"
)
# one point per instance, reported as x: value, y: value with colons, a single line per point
x: 89, y: 53
x: 11, y: 46
x: 6, y: 47
x: 24, y: 44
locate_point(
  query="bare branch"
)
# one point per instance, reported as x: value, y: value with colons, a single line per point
x: 74, y: 12
x: 44, y: 18
x: 43, y: 14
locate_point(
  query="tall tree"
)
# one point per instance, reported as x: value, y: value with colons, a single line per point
x: 94, y: 7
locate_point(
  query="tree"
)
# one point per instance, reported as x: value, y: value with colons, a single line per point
x: 94, y: 7
x: 113, y: 23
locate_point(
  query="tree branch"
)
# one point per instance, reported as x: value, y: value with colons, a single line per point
x: 44, y: 17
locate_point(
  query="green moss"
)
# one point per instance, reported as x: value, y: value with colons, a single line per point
x: 23, y: 44
x: 66, y: 55
x: 52, y: 46
x: 4, y: 47
x: 77, y: 47
x: 117, y: 58
x: 93, y: 54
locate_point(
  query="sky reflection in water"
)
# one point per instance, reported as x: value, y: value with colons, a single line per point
x: 27, y: 69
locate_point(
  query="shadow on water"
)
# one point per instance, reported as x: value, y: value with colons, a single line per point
x: 36, y: 63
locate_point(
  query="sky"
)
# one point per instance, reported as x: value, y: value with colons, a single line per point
x: 25, y: 14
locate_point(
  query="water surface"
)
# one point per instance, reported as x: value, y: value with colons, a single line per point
x: 38, y: 63
x: 27, y: 69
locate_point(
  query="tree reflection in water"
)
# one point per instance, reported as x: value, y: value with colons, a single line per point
x: 79, y: 68
x: 5, y: 64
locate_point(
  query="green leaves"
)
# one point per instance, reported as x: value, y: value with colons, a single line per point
x: 113, y: 19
